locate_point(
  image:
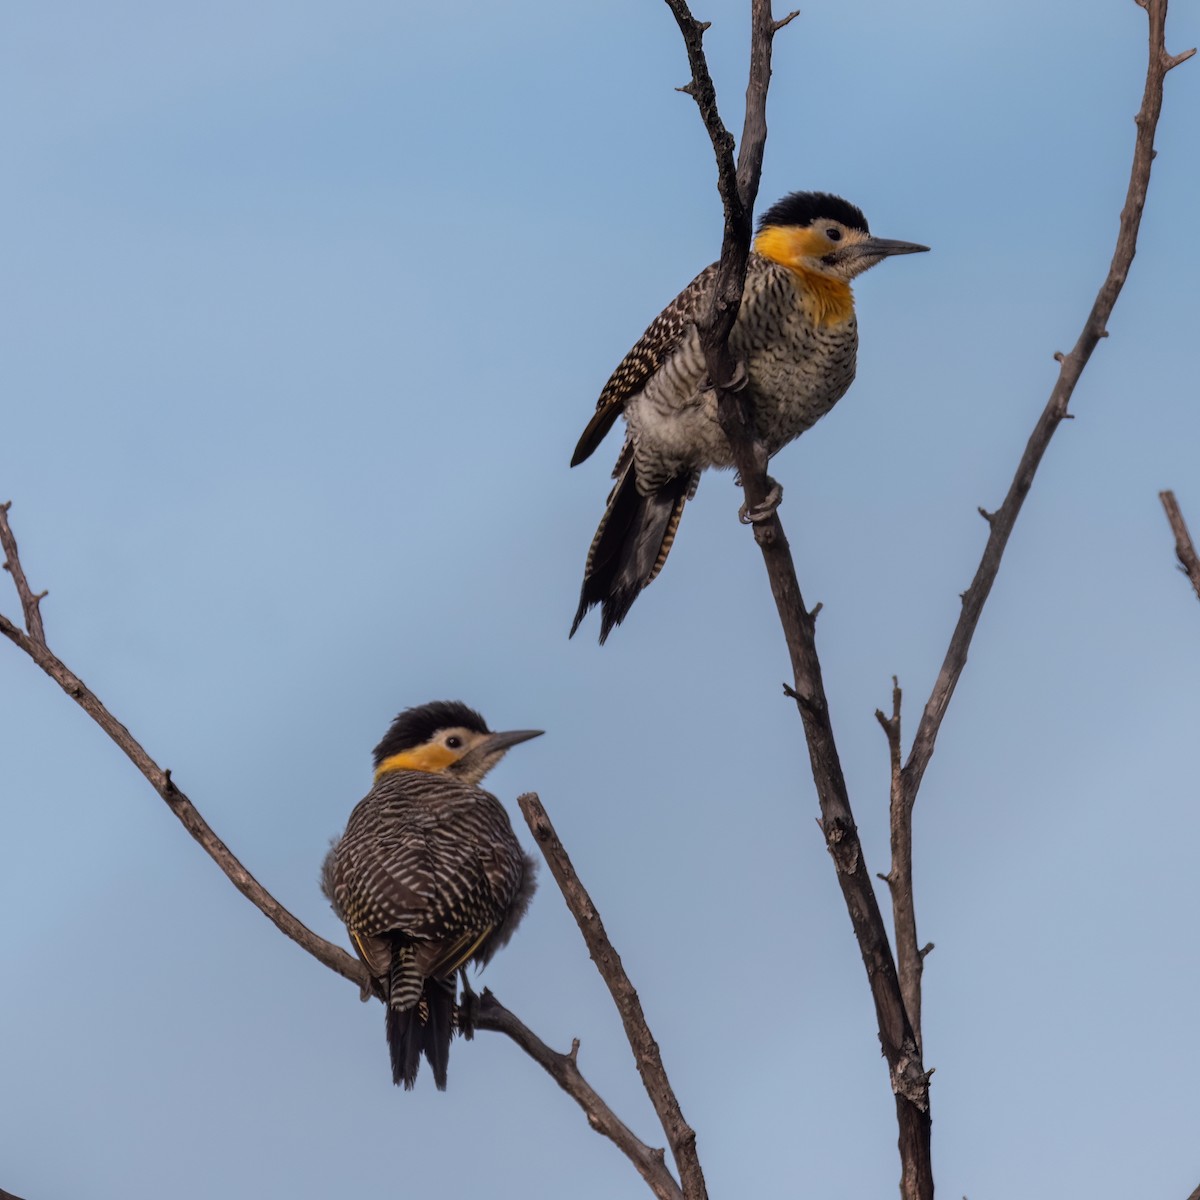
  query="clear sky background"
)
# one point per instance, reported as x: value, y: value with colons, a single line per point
x: 304, y: 306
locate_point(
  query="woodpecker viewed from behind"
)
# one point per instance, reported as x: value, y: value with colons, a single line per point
x: 428, y: 876
x: 797, y: 340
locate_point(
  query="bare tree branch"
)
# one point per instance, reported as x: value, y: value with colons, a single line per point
x: 12, y: 564
x: 564, y: 1070
x: 1095, y: 327
x: 680, y: 1136
x: 899, y: 1037
x: 493, y: 1015
x: 160, y: 780
x: 910, y: 959
x: 1195, y: 1195
x: 909, y: 1080
x: 1185, y: 551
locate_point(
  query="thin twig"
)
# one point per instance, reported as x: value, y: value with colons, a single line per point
x: 494, y: 1015
x: 1001, y: 522
x: 160, y: 780
x: 910, y: 1082
x: 910, y: 961
x: 564, y: 1070
x: 1185, y: 551
x: 680, y: 1135
x: 12, y: 564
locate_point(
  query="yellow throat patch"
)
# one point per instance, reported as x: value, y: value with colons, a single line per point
x: 431, y: 757
x: 827, y: 300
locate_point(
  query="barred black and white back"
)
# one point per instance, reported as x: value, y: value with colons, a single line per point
x: 428, y: 878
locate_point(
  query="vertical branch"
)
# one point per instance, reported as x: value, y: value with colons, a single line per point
x: 30, y: 603
x: 910, y: 960
x: 680, y: 1135
x: 1185, y: 551
x: 909, y: 1081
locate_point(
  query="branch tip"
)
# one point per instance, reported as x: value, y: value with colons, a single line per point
x: 778, y: 25
x: 987, y: 516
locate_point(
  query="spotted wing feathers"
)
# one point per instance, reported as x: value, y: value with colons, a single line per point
x: 651, y: 351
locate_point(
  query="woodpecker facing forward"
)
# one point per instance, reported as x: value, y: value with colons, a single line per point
x: 797, y: 339
x: 429, y: 876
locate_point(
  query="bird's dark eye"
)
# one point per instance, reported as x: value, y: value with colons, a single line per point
x: 453, y: 742
x: 834, y: 235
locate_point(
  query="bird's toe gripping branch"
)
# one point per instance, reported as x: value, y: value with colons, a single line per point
x: 766, y: 510
x: 468, y: 1008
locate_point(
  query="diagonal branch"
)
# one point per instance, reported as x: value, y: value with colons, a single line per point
x: 1072, y: 365
x: 1185, y: 550
x: 493, y: 1015
x: 910, y: 1083
x: 160, y: 780
x: 680, y: 1135
x: 564, y: 1070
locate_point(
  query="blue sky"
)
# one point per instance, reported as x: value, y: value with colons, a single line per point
x: 305, y: 306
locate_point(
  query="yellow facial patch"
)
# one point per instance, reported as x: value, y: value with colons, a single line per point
x: 431, y: 757
x: 827, y: 299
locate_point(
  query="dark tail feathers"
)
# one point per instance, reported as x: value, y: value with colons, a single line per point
x: 424, y: 1029
x: 631, y: 545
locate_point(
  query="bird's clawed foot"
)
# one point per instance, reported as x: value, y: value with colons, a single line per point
x: 764, y: 511
x: 738, y: 377
x: 468, y: 1008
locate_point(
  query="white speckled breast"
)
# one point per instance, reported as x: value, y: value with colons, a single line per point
x: 797, y: 372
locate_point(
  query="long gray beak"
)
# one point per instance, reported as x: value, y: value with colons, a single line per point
x: 874, y: 247
x: 503, y: 741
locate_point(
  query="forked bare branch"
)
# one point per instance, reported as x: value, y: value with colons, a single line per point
x: 564, y: 1070
x: 493, y: 1015
x: 898, y: 1014
x: 909, y: 1080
